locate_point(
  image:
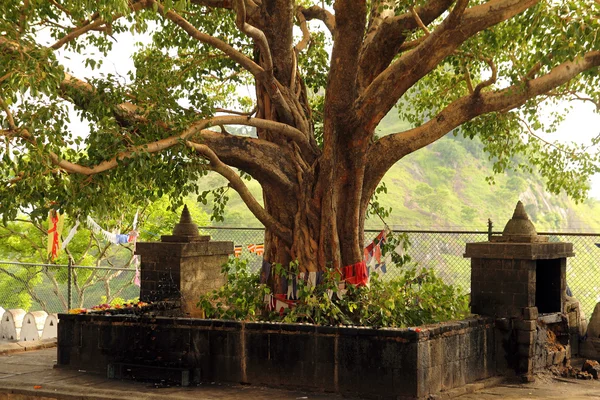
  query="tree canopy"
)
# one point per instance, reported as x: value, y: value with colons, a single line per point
x: 324, y: 74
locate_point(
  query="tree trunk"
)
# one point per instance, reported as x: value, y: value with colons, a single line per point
x: 324, y: 212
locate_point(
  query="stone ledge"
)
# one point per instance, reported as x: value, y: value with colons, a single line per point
x: 468, y: 388
x: 520, y: 251
x: 14, y: 347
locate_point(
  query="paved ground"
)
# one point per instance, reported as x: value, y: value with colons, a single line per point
x: 545, y: 387
x: 30, y: 374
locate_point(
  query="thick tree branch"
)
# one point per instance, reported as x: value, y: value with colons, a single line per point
x: 76, y: 90
x: 60, y: 7
x: 256, y: 34
x: 235, y: 150
x: 321, y: 14
x: 492, y: 79
x: 389, y: 149
x: 420, y: 23
x: 76, y: 32
x: 301, y: 45
x: 190, y: 132
x: 386, y: 38
x: 262, y: 75
x: 341, y: 88
x: 400, y: 76
x: 9, y: 117
x: 236, y: 183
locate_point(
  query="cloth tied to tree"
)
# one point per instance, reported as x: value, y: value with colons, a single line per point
x: 356, y: 274
x: 55, y: 226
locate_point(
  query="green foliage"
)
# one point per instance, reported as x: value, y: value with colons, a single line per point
x: 241, y: 298
x: 538, y: 39
x: 314, y: 63
x: 468, y: 214
x: 415, y: 296
x: 176, y: 81
x: 375, y: 208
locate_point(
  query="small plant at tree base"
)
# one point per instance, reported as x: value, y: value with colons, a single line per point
x: 241, y: 298
x: 415, y: 296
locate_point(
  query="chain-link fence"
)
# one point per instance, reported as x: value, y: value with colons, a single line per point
x: 57, y: 288
x: 46, y: 287
x: 443, y: 251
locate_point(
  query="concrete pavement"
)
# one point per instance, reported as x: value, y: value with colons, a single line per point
x: 30, y: 374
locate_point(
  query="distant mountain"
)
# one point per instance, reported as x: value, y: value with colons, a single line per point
x: 444, y: 186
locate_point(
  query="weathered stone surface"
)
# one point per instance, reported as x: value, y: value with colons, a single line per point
x: 522, y: 251
x: 584, y: 375
x: 525, y: 350
x: 525, y: 337
x: 525, y: 325
x: 519, y: 227
x: 182, y: 267
x: 559, y: 357
x: 592, y: 367
x: 511, y: 275
x: 527, y: 378
x: 530, y: 313
x: 525, y: 366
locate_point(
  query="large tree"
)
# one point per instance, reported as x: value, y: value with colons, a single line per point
x: 325, y: 73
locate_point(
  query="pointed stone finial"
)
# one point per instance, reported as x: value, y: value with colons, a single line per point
x: 520, y: 212
x: 520, y: 228
x: 186, y: 217
x: 186, y: 226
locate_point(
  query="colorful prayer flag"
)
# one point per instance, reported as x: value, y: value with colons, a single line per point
x: 237, y: 250
x: 70, y: 236
x: 377, y: 253
x: 259, y: 249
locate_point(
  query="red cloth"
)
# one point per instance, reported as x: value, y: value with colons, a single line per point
x: 356, y: 274
x: 53, y: 233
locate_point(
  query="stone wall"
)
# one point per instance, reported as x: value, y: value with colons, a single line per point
x: 502, y: 287
x: 379, y: 363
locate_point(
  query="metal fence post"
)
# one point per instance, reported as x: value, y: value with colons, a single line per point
x: 69, y: 283
x: 490, y: 226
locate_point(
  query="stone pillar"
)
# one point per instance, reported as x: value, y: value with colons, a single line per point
x: 182, y: 266
x: 515, y: 277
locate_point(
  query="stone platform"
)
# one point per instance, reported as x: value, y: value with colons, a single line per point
x: 410, y: 363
